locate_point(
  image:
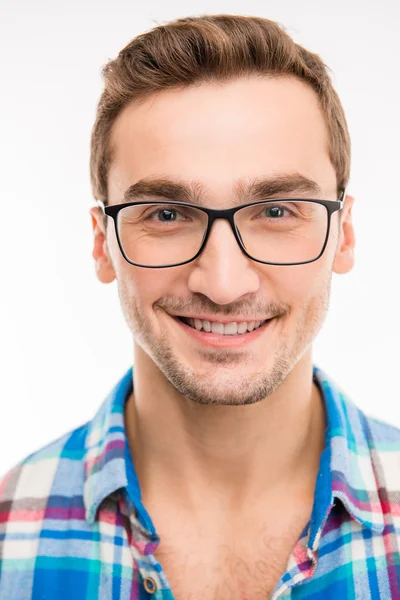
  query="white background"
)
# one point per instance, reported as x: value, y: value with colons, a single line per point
x: 63, y: 340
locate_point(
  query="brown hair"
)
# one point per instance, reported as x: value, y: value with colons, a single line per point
x: 205, y: 49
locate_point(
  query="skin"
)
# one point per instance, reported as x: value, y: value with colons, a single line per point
x: 247, y: 424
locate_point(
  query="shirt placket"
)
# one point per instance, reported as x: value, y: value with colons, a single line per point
x: 143, y: 544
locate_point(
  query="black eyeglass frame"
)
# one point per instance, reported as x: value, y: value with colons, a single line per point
x: 213, y: 214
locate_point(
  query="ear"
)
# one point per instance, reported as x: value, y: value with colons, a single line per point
x: 104, y: 268
x: 344, y: 256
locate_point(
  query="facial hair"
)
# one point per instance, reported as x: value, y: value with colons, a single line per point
x: 227, y: 378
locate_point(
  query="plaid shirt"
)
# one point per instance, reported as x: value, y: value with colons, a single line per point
x: 72, y: 524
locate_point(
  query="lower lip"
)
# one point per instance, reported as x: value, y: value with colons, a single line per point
x: 224, y: 341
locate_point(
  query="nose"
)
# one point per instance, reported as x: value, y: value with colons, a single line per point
x: 222, y: 271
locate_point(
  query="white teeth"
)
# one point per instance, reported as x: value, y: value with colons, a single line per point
x: 225, y: 329
x: 231, y: 328
x: 207, y: 326
x: 217, y: 327
x: 242, y: 327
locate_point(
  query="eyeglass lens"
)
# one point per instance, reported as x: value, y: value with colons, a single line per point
x: 282, y: 232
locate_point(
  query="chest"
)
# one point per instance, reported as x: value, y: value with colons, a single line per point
x: 246, y: 566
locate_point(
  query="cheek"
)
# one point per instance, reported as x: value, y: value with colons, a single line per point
x: 145, y: 287
x: 148, y: 285
x: 297, y: 286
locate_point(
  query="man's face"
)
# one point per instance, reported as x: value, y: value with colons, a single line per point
x: 216, y: 136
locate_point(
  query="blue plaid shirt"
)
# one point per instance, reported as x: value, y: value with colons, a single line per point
x: 73, y: 526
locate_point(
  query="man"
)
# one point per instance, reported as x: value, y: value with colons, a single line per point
x: 224, y: 464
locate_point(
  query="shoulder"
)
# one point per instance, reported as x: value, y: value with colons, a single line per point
x: 374, y: 456
x: 384, y: 446
x: 54, y: 470
x: 378, y: 435
x: 41, y: 498
x: 382, y: 431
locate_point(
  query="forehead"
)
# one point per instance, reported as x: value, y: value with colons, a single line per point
x: 217, y: 133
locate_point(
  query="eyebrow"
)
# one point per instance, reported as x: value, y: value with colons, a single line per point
x: 244, y: 191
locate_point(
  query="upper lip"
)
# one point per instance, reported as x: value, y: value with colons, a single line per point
x: 221, y: 319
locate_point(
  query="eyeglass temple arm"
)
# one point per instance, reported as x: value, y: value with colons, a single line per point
x: 101, y: 205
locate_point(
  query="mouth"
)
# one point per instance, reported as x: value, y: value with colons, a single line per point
x: 217, y: 328
x: 230, y: 335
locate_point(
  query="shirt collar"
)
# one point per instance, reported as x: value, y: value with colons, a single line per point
x: 106, y: 442
x: 346, y: 469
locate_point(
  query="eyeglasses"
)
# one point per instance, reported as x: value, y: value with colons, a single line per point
x: 278, y: 231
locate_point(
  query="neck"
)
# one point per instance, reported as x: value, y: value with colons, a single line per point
x: 237, y: 453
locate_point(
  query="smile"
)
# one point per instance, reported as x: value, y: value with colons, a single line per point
x: 224, y: 335
x: 223, y: 328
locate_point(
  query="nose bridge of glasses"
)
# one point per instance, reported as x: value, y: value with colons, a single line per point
x: 222, y: 219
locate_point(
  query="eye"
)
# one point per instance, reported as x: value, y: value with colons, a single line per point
x: 168, y: 214
x: 276, y: 211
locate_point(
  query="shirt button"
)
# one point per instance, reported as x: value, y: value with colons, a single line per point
x: 150, y: 585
